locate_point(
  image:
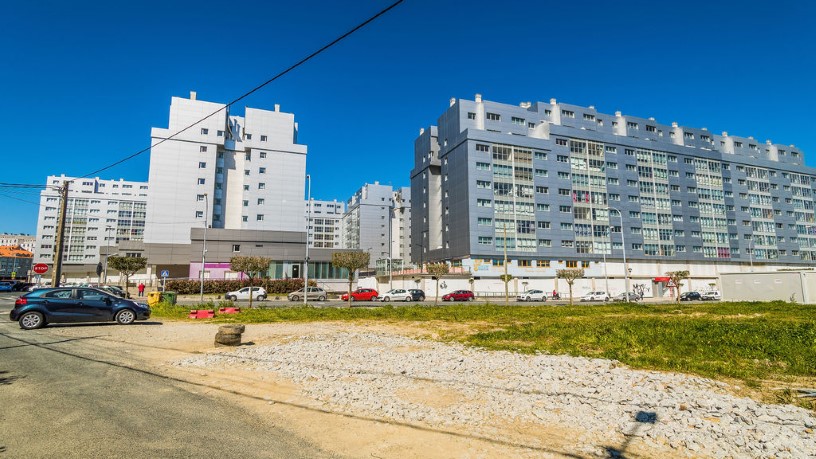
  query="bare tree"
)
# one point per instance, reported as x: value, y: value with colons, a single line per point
x: 351, y: 262
x: 251, y: 266
x: 677, y: 278
x: 570, y: 275
x: 506, y: 278
x: 437, y: 270
x: 127, y: 266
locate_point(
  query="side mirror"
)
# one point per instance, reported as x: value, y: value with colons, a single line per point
x: 108, y: 301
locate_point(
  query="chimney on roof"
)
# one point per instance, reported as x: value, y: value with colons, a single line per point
x: 452, y: 101
x: 478, y: 98
x: 192, y: 95
x: 725, y: 134
x: 553, y: 101
x: 592, y: 107
x: 277, y: 107
x: 618, y: 113
x: 651, y: 118
x: 674, y: 124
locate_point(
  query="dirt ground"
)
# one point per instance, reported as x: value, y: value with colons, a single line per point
x: 280, y: 402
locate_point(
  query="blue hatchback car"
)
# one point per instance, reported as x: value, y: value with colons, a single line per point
x: 75, y: 304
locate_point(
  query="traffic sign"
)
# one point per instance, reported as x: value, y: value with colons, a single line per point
x: 165, y: 273
x: 40, y: 268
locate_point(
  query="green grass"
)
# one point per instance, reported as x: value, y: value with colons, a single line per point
x: 746, y: 341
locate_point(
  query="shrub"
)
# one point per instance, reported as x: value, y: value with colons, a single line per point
x: 272, y: 286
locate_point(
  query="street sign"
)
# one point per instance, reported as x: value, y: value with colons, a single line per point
x: 165, y: 273
x: 40, y: 268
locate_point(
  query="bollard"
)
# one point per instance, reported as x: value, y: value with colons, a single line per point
x: 229, y: 335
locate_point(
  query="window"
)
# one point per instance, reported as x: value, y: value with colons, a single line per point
x: 540, y: 155
x: 259, y: 217
x: 201, y: 181
x: 561, y: 142
x: 246, y: 171
x: 543, y: 225
x: 202, y: 165
x: 199, y: 197
x: 236, y: 247
x: 482, y: 147
x: 199, y: 214
x: 249, y: 136
x: 542, y: 189
x: 246, y: 203
x: 263, y: 138
x: 568, y: 113
x: 202, y: 148
x: 262, y: 154
x: 471, y: 116
x: 631, y: 125
x: 482, y: 166
x: 205, y: 131
x: 493, y: 116
x: 244, y: 218
x: 589, y: 117
x: 261, y: 186
x: 542, y: 263
x: 484, y: 203
x: 262, y: 170
x: 519, y: 121
x: 572, y: 264
x: 219, y: 133
x: 485, y: 240
x: 650, y: 128
x: 485, y: 221
x: 565, y: 209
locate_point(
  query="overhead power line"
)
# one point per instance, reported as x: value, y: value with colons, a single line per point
x: 251, y: 91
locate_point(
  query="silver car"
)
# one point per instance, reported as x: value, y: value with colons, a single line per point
x: 396, y: 294
x: 314, y: 293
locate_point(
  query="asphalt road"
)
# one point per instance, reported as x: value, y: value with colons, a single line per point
x: 66, y: 398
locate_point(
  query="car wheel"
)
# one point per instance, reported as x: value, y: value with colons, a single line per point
x: 528, y: 299
x: 125, y: 317
x: 321, y: 298
x: 261, y: 297
x: 387, y: 298
x: 470, y: 298
x: 421, y: 298
x: 31, y: 320
x: 232, y: 298
x: 408, y: 298
x: 295, y: 298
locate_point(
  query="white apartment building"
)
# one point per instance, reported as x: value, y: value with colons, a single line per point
x: 325, y: 219
x: 100, y: 213
x: 378, y: 222
x: 234, y: 172
x: 26, y: 241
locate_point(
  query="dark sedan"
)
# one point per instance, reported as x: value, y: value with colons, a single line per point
x: 459, y: 295
x: 690, y: 296
x: 417, y: 294
x: 71, y: 304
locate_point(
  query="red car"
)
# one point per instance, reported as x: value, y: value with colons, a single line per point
x: 361, y: 294
x: 459, y: 295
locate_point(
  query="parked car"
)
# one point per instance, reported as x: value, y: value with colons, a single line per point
x: 361, y: 294
x: 417, y: 294
x: 6, y: 286
x: 622, y: 297
x: 595, y: 296
x: 711, y: 295
x: 459, y: 295
x: 258, y: 293
x: 314, y: 293
x: 690, y: 296
x: 532, y: 295
x: 21, y: 286
x: 69, y: 304
x: 396, y: 294
x: 115, y: 290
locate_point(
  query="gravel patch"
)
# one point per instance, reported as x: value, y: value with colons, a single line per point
x: 445, y: 385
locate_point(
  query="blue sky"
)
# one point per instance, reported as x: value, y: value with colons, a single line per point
x: 83, y: 82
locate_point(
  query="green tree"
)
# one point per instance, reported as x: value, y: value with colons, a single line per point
x: 251, y: 266
x: 570, y: 275
x: 127, y: 266
x: 351, y: 262
x: 677, y: 278
x: 437, y: 270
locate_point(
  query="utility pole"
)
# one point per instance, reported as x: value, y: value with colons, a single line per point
x: 506, y: 292
x: 58, y: 248
x: 308, y: 222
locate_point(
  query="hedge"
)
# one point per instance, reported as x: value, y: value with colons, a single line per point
x: 272, y: 286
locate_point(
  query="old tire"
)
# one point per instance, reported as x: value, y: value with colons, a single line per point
x: 125, y: 317
x: 31, y: 320
x: 232, y: 329
x: 227, y: 339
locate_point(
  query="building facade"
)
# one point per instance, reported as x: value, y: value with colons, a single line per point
x: 15, y: 262
x: 377, y: 221
x: 324, y: 221
x: 100, y: 213
x: 550, y: 186
x: 232, y: 172
x: 27, y: 241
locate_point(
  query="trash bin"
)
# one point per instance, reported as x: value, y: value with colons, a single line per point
x: 170, y: 297
x: 153, y: 298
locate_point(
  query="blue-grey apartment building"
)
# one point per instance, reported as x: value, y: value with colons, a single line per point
x: 558, y: 186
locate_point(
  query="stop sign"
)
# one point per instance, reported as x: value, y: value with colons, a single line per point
x: 40, y: 268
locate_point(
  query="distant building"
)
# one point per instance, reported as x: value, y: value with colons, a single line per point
x: 15, y: 262
x: 377, y: 221
x: 100, y: 213
x: 325, y: 223
x: 26, y: 241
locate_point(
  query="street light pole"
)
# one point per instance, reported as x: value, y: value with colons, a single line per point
x: 107, y: 254
x: 751, y: 252
x: 308, y: 222
x: 204, y: 246
x: 623, y: 245
x: 506, y: 292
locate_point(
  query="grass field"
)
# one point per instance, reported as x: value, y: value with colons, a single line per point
x: 757, y: 343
